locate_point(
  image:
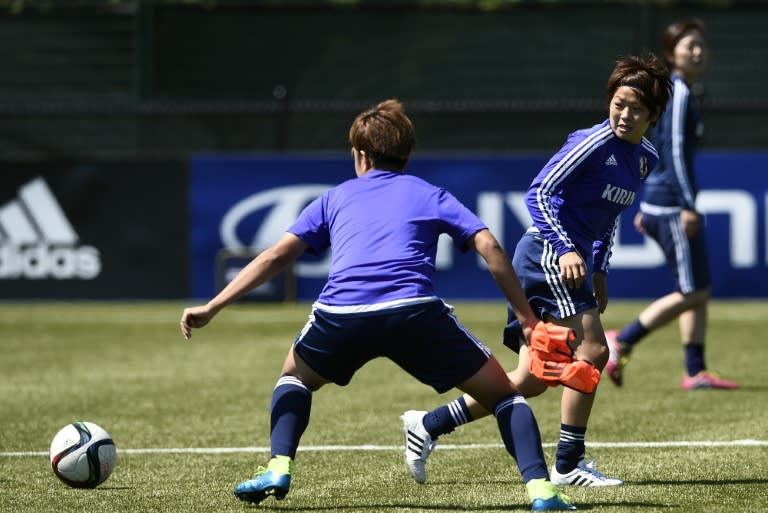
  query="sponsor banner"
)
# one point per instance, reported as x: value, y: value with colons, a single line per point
x: 242, y: 202
x: 93, y: 230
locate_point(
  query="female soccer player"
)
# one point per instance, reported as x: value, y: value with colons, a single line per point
x: 574, y: 202
x: 379, y: 300
x: 668, y: 215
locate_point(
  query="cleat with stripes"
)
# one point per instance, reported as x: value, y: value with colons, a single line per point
x: 418, y: 443
x: 585, y: 474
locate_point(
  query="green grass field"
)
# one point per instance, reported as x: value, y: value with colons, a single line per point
x: 191, y: 420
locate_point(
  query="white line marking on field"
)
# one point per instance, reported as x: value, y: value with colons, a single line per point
x: 453, y: 447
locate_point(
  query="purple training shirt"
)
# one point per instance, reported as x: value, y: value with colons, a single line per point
x: 383, y: 229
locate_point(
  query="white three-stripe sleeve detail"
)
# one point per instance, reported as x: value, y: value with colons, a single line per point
x: 560, y: 172
x: 679, y: 101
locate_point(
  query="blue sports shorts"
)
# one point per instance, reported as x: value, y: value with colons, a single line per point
x: 688, y: 259
x: 426, y: 340
x: 535, y: 263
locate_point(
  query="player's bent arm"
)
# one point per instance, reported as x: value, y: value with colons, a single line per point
x: 505, y: 276
x: 259, y: 270
x: 265, y: 266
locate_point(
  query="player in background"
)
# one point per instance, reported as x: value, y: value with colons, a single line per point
x: 562, y: 262
x: 379, y: 301
x: 668, y: 215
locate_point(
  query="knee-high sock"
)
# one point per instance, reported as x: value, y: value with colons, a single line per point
x: 632, y: 333
x: 521, y: 436
x: 570, y: 448
x: 446, y: 418
x: 694, y: 358
x: 289, y: 415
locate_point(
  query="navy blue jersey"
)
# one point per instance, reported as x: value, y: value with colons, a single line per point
x: 576, y: 199
x: 676, y: 136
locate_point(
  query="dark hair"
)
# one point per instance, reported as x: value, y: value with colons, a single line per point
x: 674, y: 33
x: 385, y: 134
x: 648, y: 77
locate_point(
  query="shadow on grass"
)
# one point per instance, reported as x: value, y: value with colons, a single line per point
x: 384, y: 507
x: 721, y: 482
x: 651, y: 506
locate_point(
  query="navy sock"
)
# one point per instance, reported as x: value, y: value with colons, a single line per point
x: 521, y: 436
x: 289, y: 415
x: 694, y: 358
x: 632, y: 333
x: 570, y: 448
x: 446, y: 418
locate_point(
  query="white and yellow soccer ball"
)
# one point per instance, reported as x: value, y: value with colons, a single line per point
x: 82, y: 455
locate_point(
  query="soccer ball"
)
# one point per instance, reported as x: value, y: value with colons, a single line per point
x: 82, y: 455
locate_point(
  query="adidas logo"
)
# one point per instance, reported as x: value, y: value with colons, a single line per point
x: 611, y: 161
x: 37, y: 240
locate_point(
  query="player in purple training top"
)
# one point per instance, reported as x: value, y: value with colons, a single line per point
x: 668, y: 215
x: 379, y: 301
x: 575, y: 202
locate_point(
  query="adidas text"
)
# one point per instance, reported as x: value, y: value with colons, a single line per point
x: 42, y: 261
x: 39, y: 242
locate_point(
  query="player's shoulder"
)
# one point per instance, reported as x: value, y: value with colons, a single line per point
x: 647, y: 147
x: 592, y: 136
x: 679, y: 81
x: 421, y: 184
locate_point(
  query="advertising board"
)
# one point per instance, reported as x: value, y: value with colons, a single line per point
x: 248, y: 201
x: 98, y: 230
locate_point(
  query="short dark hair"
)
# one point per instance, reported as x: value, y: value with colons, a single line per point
x: 646, y: 75
x: 674, y: 33
x: 385, y: 134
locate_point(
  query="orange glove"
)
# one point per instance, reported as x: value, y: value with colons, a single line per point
x: 548, y: 372
x: 580, y: 375
x: 549, y: 342
x: 552, y: 359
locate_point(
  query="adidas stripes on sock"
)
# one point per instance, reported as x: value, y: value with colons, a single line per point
x: 446, y: 418
x: 521, y: 436
x: 570, y: 448
x: 289, y: 415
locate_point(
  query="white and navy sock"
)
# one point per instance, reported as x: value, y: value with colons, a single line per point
x: 570, y: 448
x: 521, y: 436
x: 446, y: 418
x: 289, y: 415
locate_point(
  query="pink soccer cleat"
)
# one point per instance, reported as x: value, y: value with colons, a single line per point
x: 616, y: 361
x: 706, y: 379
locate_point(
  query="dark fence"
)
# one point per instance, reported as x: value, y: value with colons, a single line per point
x: 166, y: 79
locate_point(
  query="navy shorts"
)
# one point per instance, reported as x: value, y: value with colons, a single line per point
x: 686, y: 258
x: 426, y: 340
x: 536, y: 264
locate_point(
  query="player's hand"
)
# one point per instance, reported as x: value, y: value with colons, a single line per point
x: 638, y: 222
x: 573, y: 271
x: 600, y: 290
x: 195, y: 317
x: 690, y: 220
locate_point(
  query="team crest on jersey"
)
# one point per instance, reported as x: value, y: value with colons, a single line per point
x: 643, y: 167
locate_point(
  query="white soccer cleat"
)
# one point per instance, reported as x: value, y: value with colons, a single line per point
x: 418, y: 443
x: 585, y: 474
